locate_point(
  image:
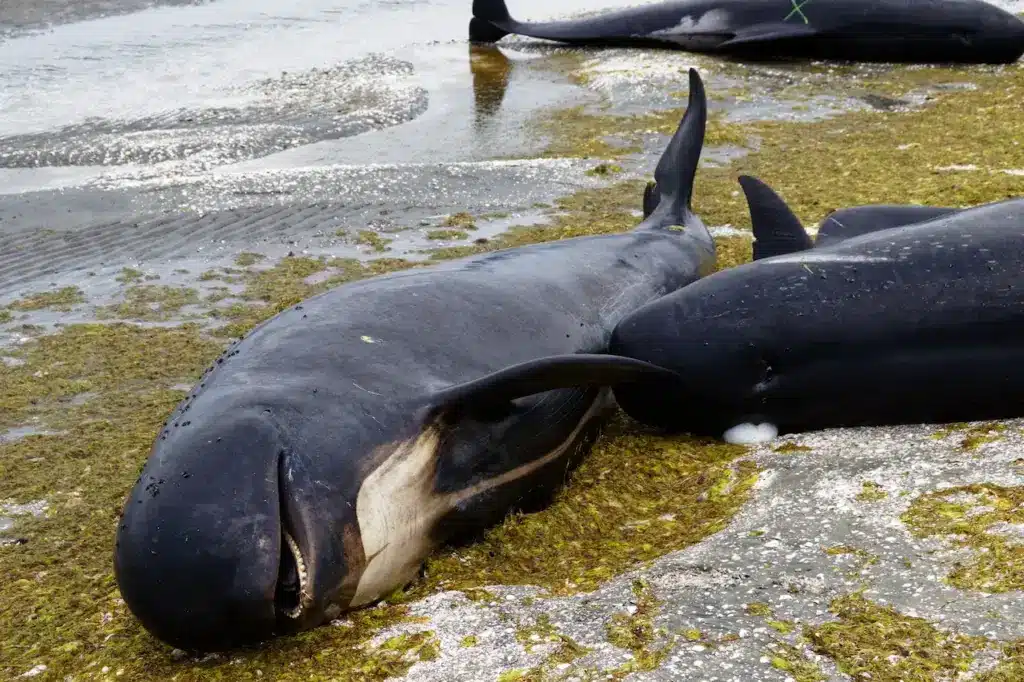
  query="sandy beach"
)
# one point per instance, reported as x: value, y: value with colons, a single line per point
x: 171, y: 174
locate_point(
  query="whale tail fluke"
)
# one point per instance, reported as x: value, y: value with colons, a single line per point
x: 490, y: 395
x: 488, y: 15
x: 776, y: 228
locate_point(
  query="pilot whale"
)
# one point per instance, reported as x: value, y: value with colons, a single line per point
x: 776, y: 230
x: 914, y: 324
x: 925, y: 31
x: 325, y: 455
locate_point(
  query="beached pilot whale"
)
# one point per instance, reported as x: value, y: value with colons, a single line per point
x: 914, y: 324
x: 777, y: 230
x: 327, y: 453
x: 923, y: 31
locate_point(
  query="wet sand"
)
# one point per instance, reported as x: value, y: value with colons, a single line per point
x: 171, y: 193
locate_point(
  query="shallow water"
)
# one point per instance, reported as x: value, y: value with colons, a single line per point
x: 187, y: 129
x: 150, y: 62
x: 148, y: 66
x: 108, y: 123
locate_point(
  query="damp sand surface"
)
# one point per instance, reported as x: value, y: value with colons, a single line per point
x: 212, y: 163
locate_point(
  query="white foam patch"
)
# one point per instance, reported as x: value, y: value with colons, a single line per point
x: 750, y: 434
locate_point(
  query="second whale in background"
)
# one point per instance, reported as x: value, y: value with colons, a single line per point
x: 776, y: 230
x: 924, y: 31
x: 922, y: 323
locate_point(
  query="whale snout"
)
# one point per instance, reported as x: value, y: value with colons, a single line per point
x: 202, y: 557
x: 719, y: 373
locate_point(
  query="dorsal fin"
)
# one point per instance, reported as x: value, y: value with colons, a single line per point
x: 579, y: 370
x: 676, y: 171
x: 776, y: 229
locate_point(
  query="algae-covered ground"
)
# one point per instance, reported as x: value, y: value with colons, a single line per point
x: 862, y: 554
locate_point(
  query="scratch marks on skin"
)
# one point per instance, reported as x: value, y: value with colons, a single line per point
x: 812, y: 257
x: 366, y: 389
x: 397, y: 507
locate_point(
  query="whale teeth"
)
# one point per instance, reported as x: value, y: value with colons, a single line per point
x: 305, y: 599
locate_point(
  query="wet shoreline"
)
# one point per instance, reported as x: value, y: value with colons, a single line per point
x: 819, y: 556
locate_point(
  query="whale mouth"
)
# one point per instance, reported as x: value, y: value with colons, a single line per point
x: 292, y: 596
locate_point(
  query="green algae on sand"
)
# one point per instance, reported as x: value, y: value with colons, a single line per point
x: 61, y: 605
x: 247, y: 258
x: 461, y: 220
x: 447, y: 234
x: 871, y: 641
x: 635, y: 497
x: 973, y: 435
x: 790, y: 447
x: 1010, y: 667
x: 848, y: 159
x: 63, y: 299
x: 972, y: 517
x: 636, y: 632
x: 790, y: 660
x: 374, y: 240
x: 871, y: 492
x: 150, y: 302
x: 101, y: 389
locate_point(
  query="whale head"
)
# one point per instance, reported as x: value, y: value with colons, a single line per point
x: 264, y: 511
x: 223, y: 541
x: 721, y: 372
x: 199, y: 545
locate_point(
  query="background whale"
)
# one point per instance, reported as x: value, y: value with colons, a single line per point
x: 322, y: 457
x: 923, y: 31
x: 777, y: 230
x: 854, y: 221
x: 915, y: 324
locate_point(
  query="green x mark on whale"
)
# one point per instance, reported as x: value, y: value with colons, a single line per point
x: 798, y: 9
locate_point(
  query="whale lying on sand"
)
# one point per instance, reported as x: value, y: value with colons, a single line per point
x: 914, y: 324
x: 929, y: 31
x: 776, y: 230
x: 324, y: 456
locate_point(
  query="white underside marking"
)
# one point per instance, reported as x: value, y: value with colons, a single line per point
x: 750, y: 434
x: 397, y: 507
x: 710, y: 22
